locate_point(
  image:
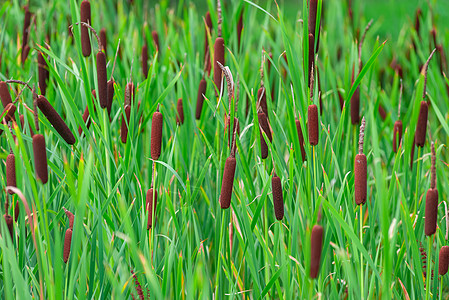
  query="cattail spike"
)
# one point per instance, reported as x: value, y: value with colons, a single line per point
x: 278, y: 199
x: 443, y: 261
x: 42, y: 73
x: 156, y: 134
x: 125, y: 124
x: 71, y: 217
x: 431, y: 212
x: 316, y: 248
x: 10, y: 224
x: 227, y: 183
x: 40, y: 158
x: 312, y: 116
x: 200, y: 98
x: 362, y: 136
x: 433, y: 171
x: 4, y: 93
x: 67, y: 244
x: 11, y: 171
x: 102, y: 79
x: 85, y: 17
x: 264, y: 127
x: 421, y: 125
x: 155, y: 36
x: 103, y: 40
x: 424, y: 72
x: 180, y: 114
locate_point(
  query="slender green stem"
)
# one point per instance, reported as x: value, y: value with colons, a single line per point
x: 418, y: 173
x: 220, y: 245
x: 361, y: 255
x: 428, y: 270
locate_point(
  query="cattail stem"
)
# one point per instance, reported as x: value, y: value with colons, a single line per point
x: 361, y: 43
x: 429, y: 263
x: 361, y: 255
x: 433, y: 172
x: 424, y: 72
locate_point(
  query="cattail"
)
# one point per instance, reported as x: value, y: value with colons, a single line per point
x: 42, y: 72
x: 311, y: 57
x: 431, y: 213
x: 151, y: 205
x: 312, y: 17
x: 11, y: 171
x: 228, y: 182
x: 417, y: 20
x: 200, y: 98
x: 341, y: 100
x: 156, y: 39
x: 355, y: 102
x: 86, y: 115
x: 110, y: 95
x: 397, y: 135
x: 443, y: 261
x: 360, y: 176
x: 10, y: 224
x: 209, y: 27
x: 55, y: 119
x: 124, y: 128
x: 156, y: 134
x: 239, y: 29
x: 9, y: 112
x: 218, y: 57
x: 301, y: 140
x: 316, y: 246
x: 265, y: 127
x: 16, y: 211
x: 313, y: 124
x: 25, y: 52
x: 26, y: 26
x: 180, y: 114
x: 382, y: 112
x: 145, y: 60
x: 85, y: 39
x: 235, y: 129
x: 421, y: 125
x: 4, y: 93
x: 278, y: 199
x: 103, y: 40
x: 102, y: 79
x: 40, y: 158
x: 129, y: 93
x: 71, y: 217
x: 262, y: 99
x: 67, y: 244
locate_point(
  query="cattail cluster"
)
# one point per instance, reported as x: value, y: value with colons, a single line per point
x: 180, y: 114
x: 156, y: 134
x: 43, y: 73
x: 316, y: 247
x: 264, y: 127
x: 68, y: 236
x: 11, y: 171
x: 55, y: 119
x: 360, y: 170
x: 443, y: 261
x: 40, y: 158
x: 227, y: 182
x: 278, y: 199
x: 312, y: 119
x: 85, y: 39
x: 431, y: 212
x: 151, y: 203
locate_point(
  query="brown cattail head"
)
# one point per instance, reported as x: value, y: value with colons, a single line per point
x: 417, y: 20
x: 102, y: 79
x: 10, y: 224
x: 11, y: 171
x: 85, y: 117
x: 382, y: 112
x: 156, y: 135
x: 341, y: 100
x: 431, y: 213
x: 26, y: 26
x: 9, y: 112
x: 103, y: 40
x: 228, y: 182
x: 421, y: 125
x: 219, y: 51
x: 40, y: 158
x: 16, y: 211
x: 67, y: 244
x: 443, y: 261
x: 360, y: 179
x: 397, y: 135
x: 278, y: 199
x: 125, y: 122
x: 312, y: 116
x: 145, y: 61
x: 85, y: 39
x: 110, y: 95
x: 316, y: 246
x: 312, y: 16
x: 264, y: 127
x: 129, y: 93
x: 55, y: 119
x: 200, y: 98
x: 301, y: 140
x: 311, y: 58
x: 262, y: 99
x: 209, y: 27
x: 151, y: 205
x: 239, y: 29
x: 180, y: 114
x: 25, y: 52
x: 42, y: 72
x: 355, y: 102
x: 4, y: 93
x: 71, y: 217
x: 156, y: 39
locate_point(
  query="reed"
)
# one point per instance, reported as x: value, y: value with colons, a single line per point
x: 55, y: 119
x: 40, y: 158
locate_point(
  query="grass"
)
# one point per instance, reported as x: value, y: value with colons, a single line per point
x: 195, y: 249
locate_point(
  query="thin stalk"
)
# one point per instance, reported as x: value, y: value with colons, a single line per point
x: 418, y: 173
x: 220, y: 244
x: 429, y: 262
x: 361, y: 255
